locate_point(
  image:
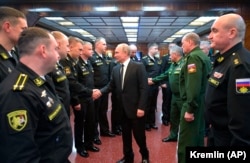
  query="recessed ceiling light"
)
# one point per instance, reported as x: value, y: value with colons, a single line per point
x: 130, y: 19
x: 130, y: 24
x: 131, y: 30
x: 66, y: 23
x: 43, y: 9
x: 54, y: 18
x: 154, y: 8
x: 106, y: 8
x: 184, y: 31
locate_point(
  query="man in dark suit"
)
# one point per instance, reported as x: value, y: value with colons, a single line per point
x: 129, y: 81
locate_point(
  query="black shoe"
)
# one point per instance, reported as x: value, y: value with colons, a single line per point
x: 92, y: 148
x: 108, y: 134
x: 166, y: 123
x: 154, y: 127
x: 145, y: 160
x: 97, y: 141
x: 117, y: 132
x: 168, y: 139
x: 147, y: 128
x: 123, y: 160
x: 83, y: 153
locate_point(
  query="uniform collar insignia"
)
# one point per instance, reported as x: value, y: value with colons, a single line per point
x: 220, y: 59
x: 39, y: 81
x: 4, y: 55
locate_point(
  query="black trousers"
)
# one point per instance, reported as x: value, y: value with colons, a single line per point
x: 166, y: 103
x: 115, y: 113
x: 101, y: 108
x: 89, y: 123
x: 151, y: 105
x: 79, y: 127
x: 135, y: 126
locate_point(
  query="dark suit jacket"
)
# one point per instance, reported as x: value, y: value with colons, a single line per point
x: 134, y: 94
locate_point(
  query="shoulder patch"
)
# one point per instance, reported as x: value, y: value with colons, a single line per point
x: 242, y: 86
x: 17, y: 119
x: 20, y: 83
x: 191, y: 68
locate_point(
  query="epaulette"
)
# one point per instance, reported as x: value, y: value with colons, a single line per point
x: 236, y: 59
x: 144, y: 57
x: 20, y: 83
x: 4, y: 55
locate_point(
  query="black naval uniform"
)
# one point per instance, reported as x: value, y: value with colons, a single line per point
x: 85, y: 118
x: 76, y: 89
x: 7, y: 63
x: 166, y: 92
x: 153, y: 67
x: 228, y: 98
x: 34, y: 125
x: 62, y: 86
x: 101, y: 66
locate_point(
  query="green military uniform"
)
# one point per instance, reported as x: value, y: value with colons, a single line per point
x: 173, y: 74
x: 193, y: 81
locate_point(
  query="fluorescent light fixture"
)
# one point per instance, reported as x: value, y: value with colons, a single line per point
x: 154, y: 8
x: 130, y: 24
x: 170, y: 39
x: 66, y: 23
x: 106, y: 8
x: 55, y: 18
x: 131, y: 30
x: 197, y: 23
x: 128, y: 35
x: 40, y: 9
x: 184, y: 31
x: 132, y: 39
x: 89, y: 35
x: 202, y: 20
x: 130, y: 19
x: 176, y: 36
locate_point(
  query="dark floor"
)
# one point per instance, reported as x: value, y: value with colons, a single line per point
x: 111, y: 148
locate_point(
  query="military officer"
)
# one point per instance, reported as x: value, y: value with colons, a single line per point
x: 9, y: 33
x: 101, y: 65
x: 153, y: 67
x: 193, y: 81
x: 173, y: 74
x: 227, y: 94
x: 58, y: 75
x: 34, y: 124
x: 85, y: 117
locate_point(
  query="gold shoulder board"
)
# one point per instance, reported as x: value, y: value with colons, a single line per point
x: 20, y: 83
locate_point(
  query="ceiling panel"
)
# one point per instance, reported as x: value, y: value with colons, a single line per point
x: 153, y: 26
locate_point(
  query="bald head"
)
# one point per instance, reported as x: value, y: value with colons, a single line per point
x: 229, y: 21
x: 227, y: 31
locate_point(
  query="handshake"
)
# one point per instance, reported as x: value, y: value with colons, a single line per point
x: 96, y: 93
x: 150, y: 81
